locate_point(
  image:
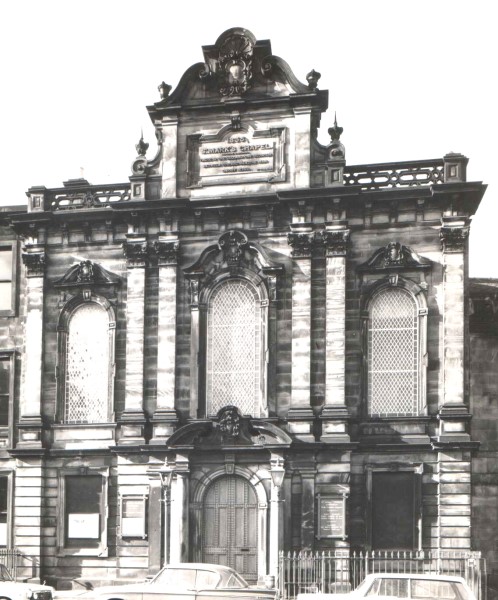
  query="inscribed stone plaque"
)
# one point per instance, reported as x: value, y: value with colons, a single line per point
x: 248, y: 157
x: 331, y: 516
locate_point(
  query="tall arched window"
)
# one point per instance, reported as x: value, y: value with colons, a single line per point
x: 394, y: 354
x: 234, y: 369
x: 86, y: 350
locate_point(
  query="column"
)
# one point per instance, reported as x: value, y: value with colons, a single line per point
x: 454, y: 412
x: 30, y: 423
x: 132, y: 420
x: 277, y: 472
x: 179, y: 512
x: 300, y: 416
x: 165, y: 418
x: 335, y: 413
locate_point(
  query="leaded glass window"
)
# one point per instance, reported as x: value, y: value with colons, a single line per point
x: 233, y: 362
x: 87, y: 365
x: 393, y: 354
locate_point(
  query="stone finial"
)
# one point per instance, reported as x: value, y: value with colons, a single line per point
x: 312, y: 78
x: 164, y: 90
x: 335, y: 132
x: 142, y: 146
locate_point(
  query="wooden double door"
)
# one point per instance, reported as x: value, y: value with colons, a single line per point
x: 230, y: 526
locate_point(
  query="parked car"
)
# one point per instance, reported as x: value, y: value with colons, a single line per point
x: 16, y: 590
x: 404, y: 586
x: 183, y: 581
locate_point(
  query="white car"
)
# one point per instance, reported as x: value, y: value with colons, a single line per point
x: 404, y: 586
x: 182, y: 581
x: 15, y: 590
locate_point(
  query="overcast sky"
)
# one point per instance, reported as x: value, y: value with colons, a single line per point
x: 409, y: 80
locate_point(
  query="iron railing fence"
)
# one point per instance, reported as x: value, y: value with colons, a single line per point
x: 339, y: 571
x: 10, y: 558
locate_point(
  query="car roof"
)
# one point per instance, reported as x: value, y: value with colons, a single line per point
x: 193, y: 565
x: 415, y: 576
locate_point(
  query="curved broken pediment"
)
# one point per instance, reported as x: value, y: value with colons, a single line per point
x: 228, y: 430
x: 394, y: 256
x: 86, y: 274
x: 233, y: 253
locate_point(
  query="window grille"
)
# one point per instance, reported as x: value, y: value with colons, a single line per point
x: 87, y: 365
x: 233, y: 369
x: 393, y: 354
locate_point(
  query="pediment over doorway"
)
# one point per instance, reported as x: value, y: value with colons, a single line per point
x: 229, y: 429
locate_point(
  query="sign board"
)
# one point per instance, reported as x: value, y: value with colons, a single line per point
x: 331, y: 520
x: 83, y: 526
x: 245, y: 157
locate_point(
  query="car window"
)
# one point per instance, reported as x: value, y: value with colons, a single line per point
x: 206, y: 580
x: 428, y: 589
x: 236, y: 581
x: 389, y: 587
x: 181, y: 578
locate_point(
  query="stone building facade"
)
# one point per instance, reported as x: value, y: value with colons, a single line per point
x: 249, y: 347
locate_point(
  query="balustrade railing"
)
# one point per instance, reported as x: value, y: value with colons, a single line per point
x: 90, y: 196
x: 400, y: 174
x: 339, y: 571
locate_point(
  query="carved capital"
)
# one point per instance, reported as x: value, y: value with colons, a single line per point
x: 453, y: 235
x: 336, y: 242
x: 301, y: 243
x: 33, y: 258
x: 166, y: 251
x: 135, y: 250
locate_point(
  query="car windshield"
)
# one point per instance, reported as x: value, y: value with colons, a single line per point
x: 5, y: 574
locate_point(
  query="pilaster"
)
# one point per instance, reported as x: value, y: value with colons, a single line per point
x: 334, y: 413
x: 30, y: 422
x: 179, y: 510
x: 165, y: 416
x: 300, y: 415
x: 454, y: 411
x: 133, y: 420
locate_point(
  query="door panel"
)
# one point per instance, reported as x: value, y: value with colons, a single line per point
x: 229, y: 526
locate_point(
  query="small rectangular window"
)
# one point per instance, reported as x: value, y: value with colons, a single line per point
x: 393, y: 511
x: 4, y: 509
x: 4, y: 391
x: 133, y: 516
x: 7, y: 278
x: 82, y: 523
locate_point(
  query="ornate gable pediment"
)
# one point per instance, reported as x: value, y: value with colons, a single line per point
x: 229, y: 429
x: 86, y: 274
x: 236, y: 65
x: 394, y: 256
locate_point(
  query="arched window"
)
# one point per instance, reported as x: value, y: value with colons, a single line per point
x: 395, y: 353
x: 234, y: 352
x: 86, y: 353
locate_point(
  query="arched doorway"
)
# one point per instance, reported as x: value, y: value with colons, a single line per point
x: 230, y: 525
